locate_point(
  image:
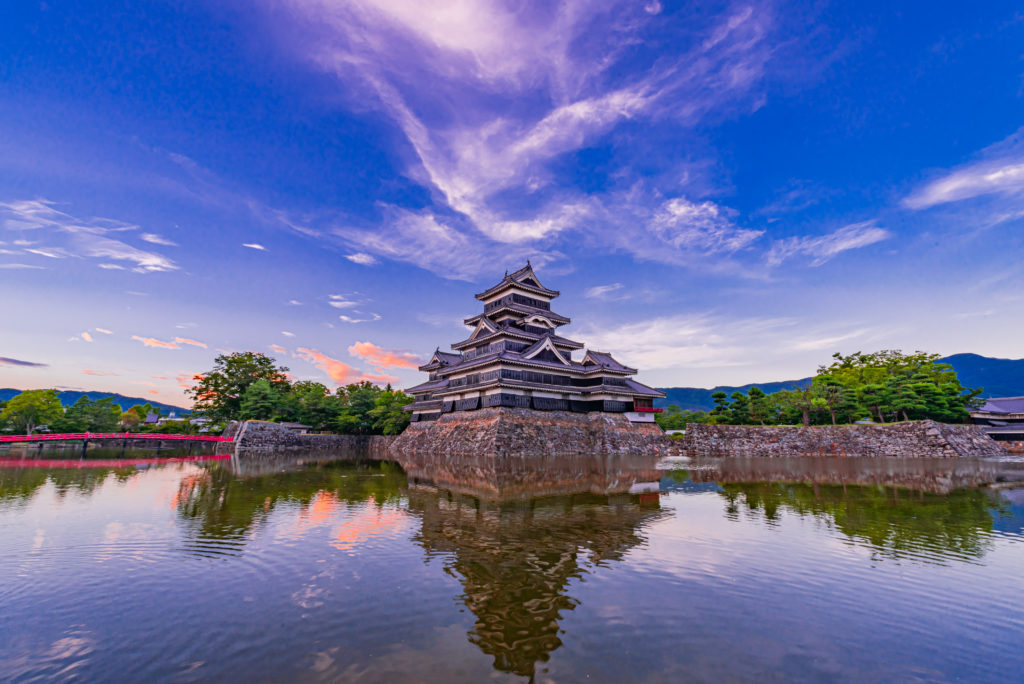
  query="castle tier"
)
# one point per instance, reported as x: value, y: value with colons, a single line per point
x: 515, y: 358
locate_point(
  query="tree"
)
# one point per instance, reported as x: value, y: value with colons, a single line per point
x: 739, y: 409
x: 720, y: 414
x: 760, y: 405
x: 802, y: 402
x: 86, y: 415
x: 261, y: 401
x: 357, y: 402
x: 389, y: 418
x: 130, y: 419
x: 32, y: 408
x: 218, y: 393
x: 311, y: 403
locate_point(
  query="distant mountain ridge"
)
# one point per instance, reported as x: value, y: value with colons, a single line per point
x: 996, y: 377
x: 69, y: 397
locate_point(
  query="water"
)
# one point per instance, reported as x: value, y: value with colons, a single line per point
x: 188, y: 571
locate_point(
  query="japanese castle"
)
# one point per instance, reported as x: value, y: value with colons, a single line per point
x: 515, y: 358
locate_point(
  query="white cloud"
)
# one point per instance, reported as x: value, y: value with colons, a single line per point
x: 83, y: 238
x: 287, y: 334
x: 341, y: 301
x: 999, y: 171
x: 602, y: 291
x: 15, y: 267
x: 362, y: 258
x: 353, y: 319
x: 824, y: 247
x: 294, y: 302
x: 158, y: 239
x: 254, y: 245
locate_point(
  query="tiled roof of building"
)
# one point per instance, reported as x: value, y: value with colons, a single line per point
x: 1003, y: 405
x: 605, y: 360
x: 524, y: 278
x: 522, y: 309
x: 428, y: 386
x: 642, y: 389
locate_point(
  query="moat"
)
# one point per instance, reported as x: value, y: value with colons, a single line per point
x: 334, y: 571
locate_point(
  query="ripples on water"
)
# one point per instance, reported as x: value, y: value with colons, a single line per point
x: 341, y: 572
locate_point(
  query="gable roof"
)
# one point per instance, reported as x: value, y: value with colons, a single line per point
x: 440, y: 359
x: 524, y: 278
x: 605, y: 360
x: 542, y: 344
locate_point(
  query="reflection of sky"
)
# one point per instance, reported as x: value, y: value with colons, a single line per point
x: 340, y: 589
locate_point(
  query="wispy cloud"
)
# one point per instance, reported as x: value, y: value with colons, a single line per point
x: 82, y: 238
x: 278, y: 349
x: 287, y: 334
x: 87, y: 337
x: 153, y: 342
x: 254, y: 245
x: 194, y: 343
x: 294, y: 302
x: 15, y: 267
x: 381, y: 358
x: 8, y: 361
x: 824, y: 247
x: 339, y: 371
x: 602, y: 291
x: 88, y: 371
x: 362, y: 258
x: 998, y: 171
x: 514, y: 90
x: 352, y: 319
x: 104, y: 331
x: 342, y: 301
x: 158, y: 239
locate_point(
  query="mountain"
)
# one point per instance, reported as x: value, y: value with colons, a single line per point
x: 996, y: 377
x: 69, y: 397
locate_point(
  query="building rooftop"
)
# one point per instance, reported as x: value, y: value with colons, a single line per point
x: 1003, y: 405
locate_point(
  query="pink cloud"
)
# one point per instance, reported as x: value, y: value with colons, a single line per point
x: 384, y: 358
x: 153, y: 342
x: 339, y: 371
x: 194, y: 343
x: 88, y: 371
x: 153, y: 391
x: 278, y: 349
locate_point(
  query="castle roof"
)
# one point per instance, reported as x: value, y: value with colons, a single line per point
x: 524, y: 279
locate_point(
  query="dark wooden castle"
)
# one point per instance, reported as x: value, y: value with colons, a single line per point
x: 515, y: 358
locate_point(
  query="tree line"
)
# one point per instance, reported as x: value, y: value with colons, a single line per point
x: 32, y: 409
x: 883, y: 386
x: 251, y: 386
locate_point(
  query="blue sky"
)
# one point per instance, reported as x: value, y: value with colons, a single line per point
x: 723, y: 192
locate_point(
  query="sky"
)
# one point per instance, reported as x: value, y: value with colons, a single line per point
x: 723, y: 192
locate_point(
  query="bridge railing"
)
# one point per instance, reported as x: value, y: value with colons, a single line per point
x: 65, y: 437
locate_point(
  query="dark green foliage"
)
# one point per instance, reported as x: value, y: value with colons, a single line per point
x: 86, y: 415
x: 885, y: 386
x: 219, y: 393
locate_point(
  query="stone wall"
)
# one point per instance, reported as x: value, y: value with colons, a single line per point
x: 918, y: 439
x: 258, y: 439
x: 509, y: 452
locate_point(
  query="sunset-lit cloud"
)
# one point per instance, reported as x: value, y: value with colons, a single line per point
x: 278, y: 349
x: 384, y: 358
x: 153, y: 342
x: 88, y: 371
x: 339, y: 371
x: 87, y: 337
x: 104, y: 331
x: 194, y: 343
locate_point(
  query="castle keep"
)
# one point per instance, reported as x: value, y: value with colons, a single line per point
x: 515, y: 358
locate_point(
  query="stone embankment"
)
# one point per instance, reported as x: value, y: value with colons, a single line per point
x: 919, y: 439
x: 512, y: 452
x: 255, y: 439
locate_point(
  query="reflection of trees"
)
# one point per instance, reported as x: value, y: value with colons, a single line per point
x: 19, y: 485
x: 224, y: 506
x: 515, y: 560
x: 894, y: 520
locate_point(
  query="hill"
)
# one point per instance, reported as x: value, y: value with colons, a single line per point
x: 69, y: 397
x: 996, y: 377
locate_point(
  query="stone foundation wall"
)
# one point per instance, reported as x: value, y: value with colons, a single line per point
x: 507, y: 452
x: 919, y: 439
x: 256, y: 439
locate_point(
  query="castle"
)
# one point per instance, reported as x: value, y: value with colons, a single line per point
x: 515, y: 358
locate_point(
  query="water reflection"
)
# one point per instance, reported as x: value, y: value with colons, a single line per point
x: 517, y: 560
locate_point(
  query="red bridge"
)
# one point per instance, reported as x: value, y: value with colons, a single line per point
x: 90, y: 436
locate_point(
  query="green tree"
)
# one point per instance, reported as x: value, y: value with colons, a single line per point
x: 739, y: 409
x: 32, y: 408
x: 720, y: 414
x: 798, y: 402
x: 86, y: 415
x: 761, y: 408
x: 130, y: 419
x: 218, y: 393
x: 311, y: 403
x: 357, y: 402
x: 261, y: 401
x: 388, y: 416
